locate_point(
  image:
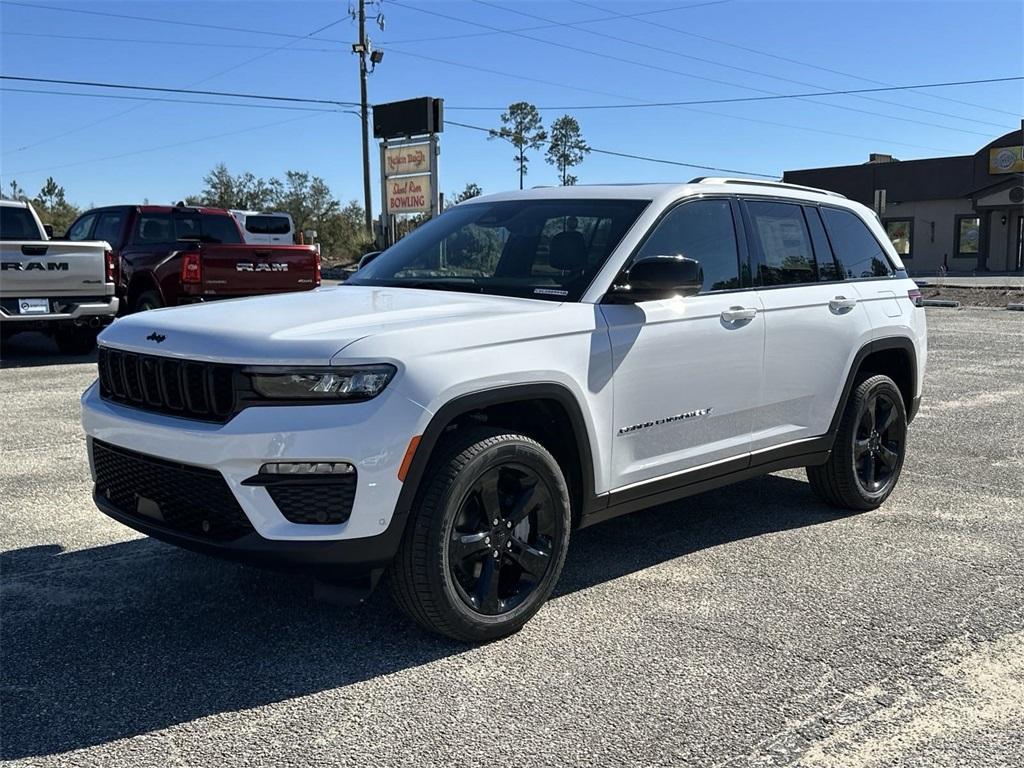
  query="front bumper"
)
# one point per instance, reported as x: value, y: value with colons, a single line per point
x: 332, y: 557
x: 373, y: 436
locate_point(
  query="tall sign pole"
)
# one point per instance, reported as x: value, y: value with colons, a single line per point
x: 365, y: 116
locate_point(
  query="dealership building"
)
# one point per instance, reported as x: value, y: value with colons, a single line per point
x: 960, y: 214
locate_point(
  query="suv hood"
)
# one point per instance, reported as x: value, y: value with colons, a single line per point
x: 306, y: 328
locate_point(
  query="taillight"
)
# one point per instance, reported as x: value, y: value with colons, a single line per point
x: 316, y: 271
x: 915, y: 296
x: 111, y: 263
x: 191, y: 268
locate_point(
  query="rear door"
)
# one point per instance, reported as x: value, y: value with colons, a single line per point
x: 814, y: 322
x: 686, y: 370
x: 233, y: 268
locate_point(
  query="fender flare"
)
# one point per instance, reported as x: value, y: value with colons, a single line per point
x: 511, y: 393
x: 901, y: 343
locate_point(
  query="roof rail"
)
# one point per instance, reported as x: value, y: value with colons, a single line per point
x: 757, y: 183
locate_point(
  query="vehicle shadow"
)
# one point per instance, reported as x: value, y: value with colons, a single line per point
x: 29, y: 350
x: 129, y: 638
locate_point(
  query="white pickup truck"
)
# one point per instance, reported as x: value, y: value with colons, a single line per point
x: 59, y: 287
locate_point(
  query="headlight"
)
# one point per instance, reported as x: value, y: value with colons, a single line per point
x: 325, y: 384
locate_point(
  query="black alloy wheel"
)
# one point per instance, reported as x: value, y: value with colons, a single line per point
x: 487, y: 537
x: 870, y: 444
x: 502, y: 539
x: 878, y: 442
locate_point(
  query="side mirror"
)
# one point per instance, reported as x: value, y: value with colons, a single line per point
x: 48, y: 229
x: 367, y: 258
x: 660, y: 277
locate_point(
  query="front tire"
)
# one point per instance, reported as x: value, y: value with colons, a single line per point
x: 76, y: 341
x: 488, y: 537
x: 870, y: 445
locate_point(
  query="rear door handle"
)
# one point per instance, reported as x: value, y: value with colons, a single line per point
x: 841, y: 302
x: 735, y: 314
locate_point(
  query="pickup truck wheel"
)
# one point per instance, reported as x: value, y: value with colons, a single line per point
x: 76, y: 341
x: 147, y: 300
x: 869, y: 449
x: 487, y: 539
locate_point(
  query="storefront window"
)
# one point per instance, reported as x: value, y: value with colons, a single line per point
x: 968, y: 236
x: 901, y: 233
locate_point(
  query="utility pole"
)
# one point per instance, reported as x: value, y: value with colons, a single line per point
x: 364, y: 110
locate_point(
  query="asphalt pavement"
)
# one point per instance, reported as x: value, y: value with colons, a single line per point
x: 750, y: 626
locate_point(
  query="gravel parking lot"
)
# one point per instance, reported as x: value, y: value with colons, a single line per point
x: 750, y: 626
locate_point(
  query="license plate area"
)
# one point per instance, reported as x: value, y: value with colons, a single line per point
x: 34, y: 306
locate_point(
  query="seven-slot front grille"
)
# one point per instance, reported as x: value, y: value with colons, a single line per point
x: 312, y: 501
x: 181, y: 497
x: 185, y: 388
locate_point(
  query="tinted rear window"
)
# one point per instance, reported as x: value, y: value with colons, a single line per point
x: 855, y: 248
x: 168, y: 228
x: 219, y: 229
x: 17, y: 224
x: 268, y: 225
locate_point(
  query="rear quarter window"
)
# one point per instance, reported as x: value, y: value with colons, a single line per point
x: 220, y: 229
x: 857, y: 251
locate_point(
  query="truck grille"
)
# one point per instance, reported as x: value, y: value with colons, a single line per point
x: 315, y: 502
x: 181, y: 497
x: 185, y: 388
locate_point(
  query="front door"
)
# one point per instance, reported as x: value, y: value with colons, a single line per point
x: 687, y: 370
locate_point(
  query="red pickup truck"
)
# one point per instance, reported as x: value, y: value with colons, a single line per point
x: 169, y: 255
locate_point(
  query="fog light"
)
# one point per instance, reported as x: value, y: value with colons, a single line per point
x: 308, y: 468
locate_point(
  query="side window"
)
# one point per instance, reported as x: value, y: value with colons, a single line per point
x: 784, y: 242
x: 109, y: 227
x: 702, y: 230
x: 220, y: 229
x: 856, y: 249
x: 153, y: 228
x: 80, y: 229
x: 828, y: 269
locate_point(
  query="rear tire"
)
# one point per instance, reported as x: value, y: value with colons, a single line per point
x: 76, y: 341
x: 147, y: 300
x: 487, y: 538
x: 870, y: 445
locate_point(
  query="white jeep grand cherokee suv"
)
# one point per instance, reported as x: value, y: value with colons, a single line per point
x: 523, y: 365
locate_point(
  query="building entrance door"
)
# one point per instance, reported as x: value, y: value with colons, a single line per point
x: 1019, y: 253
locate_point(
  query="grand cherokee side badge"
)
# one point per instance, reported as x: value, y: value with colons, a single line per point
x: 667, y: 420
x: 157, y: 337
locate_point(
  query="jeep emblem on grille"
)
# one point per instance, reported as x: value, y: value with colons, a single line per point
x: 157, y: 337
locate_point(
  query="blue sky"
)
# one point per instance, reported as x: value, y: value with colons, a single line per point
x: 165, y: 149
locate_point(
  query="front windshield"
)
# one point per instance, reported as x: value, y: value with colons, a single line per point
x: 541, y: 249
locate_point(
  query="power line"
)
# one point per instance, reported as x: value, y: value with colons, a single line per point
x: 779, y: 57
x: 637, y: 105
x: 161, y: 147
x: 679, y: 54
x: 552, y: 25
x: 631, y: 156
x: 122, y: 97
x: 176, y: 22
x: 189, y: 91
x: 176, y: 43
x: 94, y: 123
x: 789, y: 126
x: 743, y: 99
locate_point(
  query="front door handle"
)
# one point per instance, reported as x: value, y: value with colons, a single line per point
x: 840, y: 303
x: 736, y: 314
